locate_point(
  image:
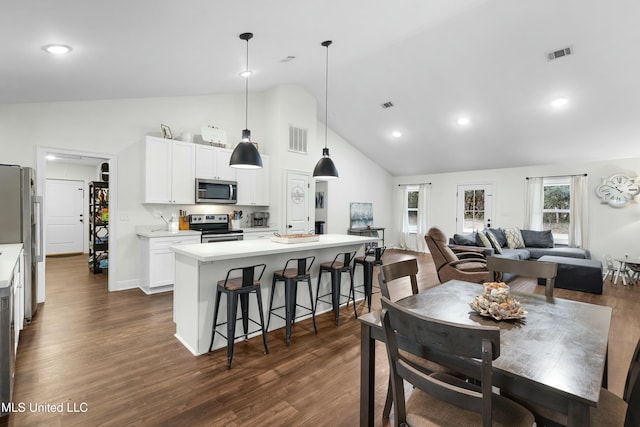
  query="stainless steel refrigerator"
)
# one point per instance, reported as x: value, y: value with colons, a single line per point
x: 21, y: 222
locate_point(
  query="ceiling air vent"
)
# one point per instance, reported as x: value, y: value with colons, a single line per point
x: 560, y: 53
x: 387, y: 104
x: 297, y: 140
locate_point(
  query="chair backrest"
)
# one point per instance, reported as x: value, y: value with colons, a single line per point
x: 376, y: 252
x: 389, y: 272
x: 440, y: 251
x: 541, y: 269
x: 609, y: 262
x: 248, y: 274
x: 347, y: 258
x: 302, y: 265
x: 420, y: 336
x: 632, y: 390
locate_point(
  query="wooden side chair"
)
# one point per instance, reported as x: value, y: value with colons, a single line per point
x: 398, y: 270
x: 539, y: 269
x: 441, y: 399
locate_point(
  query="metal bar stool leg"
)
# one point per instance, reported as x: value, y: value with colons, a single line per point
x: 368, y: 282
x: 215, y: 317
x: 264, y: 333
x: 336, y: 275
x: 352, y: 291
x: 244, y: 305
x: 289, y: 302
x: 313, y: 309
x: 232, y: 312
x: 273, y: 290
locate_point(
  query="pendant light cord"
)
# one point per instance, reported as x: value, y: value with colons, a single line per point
x: 326, y: 94
x: 246, y: 92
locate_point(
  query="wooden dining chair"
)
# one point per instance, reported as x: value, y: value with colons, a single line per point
x: 611, y: 410
x: 540, y: 269
x: 441, y: 399
x: 398, y: 270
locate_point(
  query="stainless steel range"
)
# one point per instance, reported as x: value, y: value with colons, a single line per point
x: 214, y: 228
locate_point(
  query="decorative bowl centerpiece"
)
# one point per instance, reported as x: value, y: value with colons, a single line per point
x: 496, y: 302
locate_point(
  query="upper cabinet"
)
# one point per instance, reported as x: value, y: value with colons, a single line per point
x: 169, y: 171
x: 213, y: 163
x: 254, y: 185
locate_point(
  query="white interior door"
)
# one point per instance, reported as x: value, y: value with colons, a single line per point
x: 297, y: 198
x: 475, y: 207
x: 64, y: 205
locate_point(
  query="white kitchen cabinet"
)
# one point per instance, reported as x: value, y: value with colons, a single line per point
x: 157, y: 261
x: 169, y: 171
x: 254, y: 185
x: 213, y: 163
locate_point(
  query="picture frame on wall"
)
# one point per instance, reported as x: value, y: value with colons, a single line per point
x: 319, y: 199
x: 166, y: 132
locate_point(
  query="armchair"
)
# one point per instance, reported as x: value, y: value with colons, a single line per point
x: 471, y: 266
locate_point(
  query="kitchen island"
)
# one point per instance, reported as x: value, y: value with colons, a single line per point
x: 198, y: 268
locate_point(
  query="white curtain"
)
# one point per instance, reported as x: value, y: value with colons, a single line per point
x: 424, y: 195
x: 403, y: 202
x: 578, y: 212
x: 534, y: 204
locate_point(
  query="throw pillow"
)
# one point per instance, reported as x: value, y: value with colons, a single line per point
x: 537, y: 239
x: 500, y: 236
x: 494, y: 242
x: 465, y: 239
x: 514, y: 238
x: 483, y: 240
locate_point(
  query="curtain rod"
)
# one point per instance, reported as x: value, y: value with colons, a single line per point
x: 557, y: 176
x: 408, y: 185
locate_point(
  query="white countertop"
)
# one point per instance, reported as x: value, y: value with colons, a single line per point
x: 208, y: 252
x: 259, y: 229
x: 8, y: 258
x: 161, y: 231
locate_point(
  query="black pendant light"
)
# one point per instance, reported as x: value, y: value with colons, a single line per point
x: 325, y: 169
x: 245, y: 155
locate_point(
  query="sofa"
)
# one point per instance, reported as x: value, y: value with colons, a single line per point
x: 514, y: 243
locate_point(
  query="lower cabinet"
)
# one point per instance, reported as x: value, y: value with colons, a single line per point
x: 157, y: 261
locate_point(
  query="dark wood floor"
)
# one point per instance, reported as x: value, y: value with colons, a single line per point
x: 113, y: 356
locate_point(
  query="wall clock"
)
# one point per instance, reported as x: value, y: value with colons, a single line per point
x: 618, y: 190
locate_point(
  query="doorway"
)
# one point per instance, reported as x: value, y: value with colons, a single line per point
x: 321, y: 199
x: 64, y: 220
x: 94, y: 159
x: 474, y: 207
x: 297, y: 203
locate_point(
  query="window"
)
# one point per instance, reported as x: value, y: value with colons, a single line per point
x: 555, y: 214
x: 412, y: 209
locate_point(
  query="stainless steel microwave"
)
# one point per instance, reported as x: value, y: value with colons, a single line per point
x: 216, y: 191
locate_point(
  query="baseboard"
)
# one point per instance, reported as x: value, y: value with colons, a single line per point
x: 127, y: 284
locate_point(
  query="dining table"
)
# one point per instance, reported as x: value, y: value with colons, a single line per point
x: 623, y: 269
x: 555, y: 357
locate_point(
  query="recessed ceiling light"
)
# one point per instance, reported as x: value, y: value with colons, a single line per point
x: 396, y: 134
x: 463, y: 121
x: 58, y: 49
x: 246, y: 73
x: 559, y: 102
x: 50, y: 157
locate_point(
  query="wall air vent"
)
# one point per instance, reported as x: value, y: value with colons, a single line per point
x: 560, y: 53
x: 297, y: 140
x: 387, y: 104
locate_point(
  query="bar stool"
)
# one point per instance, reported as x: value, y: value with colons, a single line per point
x: 371, y: 258
x: 336, y: 268
x: 291, y: 277
x: 234, y: 288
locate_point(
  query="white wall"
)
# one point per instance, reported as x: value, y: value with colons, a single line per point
x: 118, y: 127
x: 613, y: 231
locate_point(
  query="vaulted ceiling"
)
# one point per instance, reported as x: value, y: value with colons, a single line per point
x: 435, y: 60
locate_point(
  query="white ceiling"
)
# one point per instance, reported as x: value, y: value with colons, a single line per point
x: 434, y: 59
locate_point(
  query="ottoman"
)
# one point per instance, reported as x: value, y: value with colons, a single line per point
x: 576, y: 274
